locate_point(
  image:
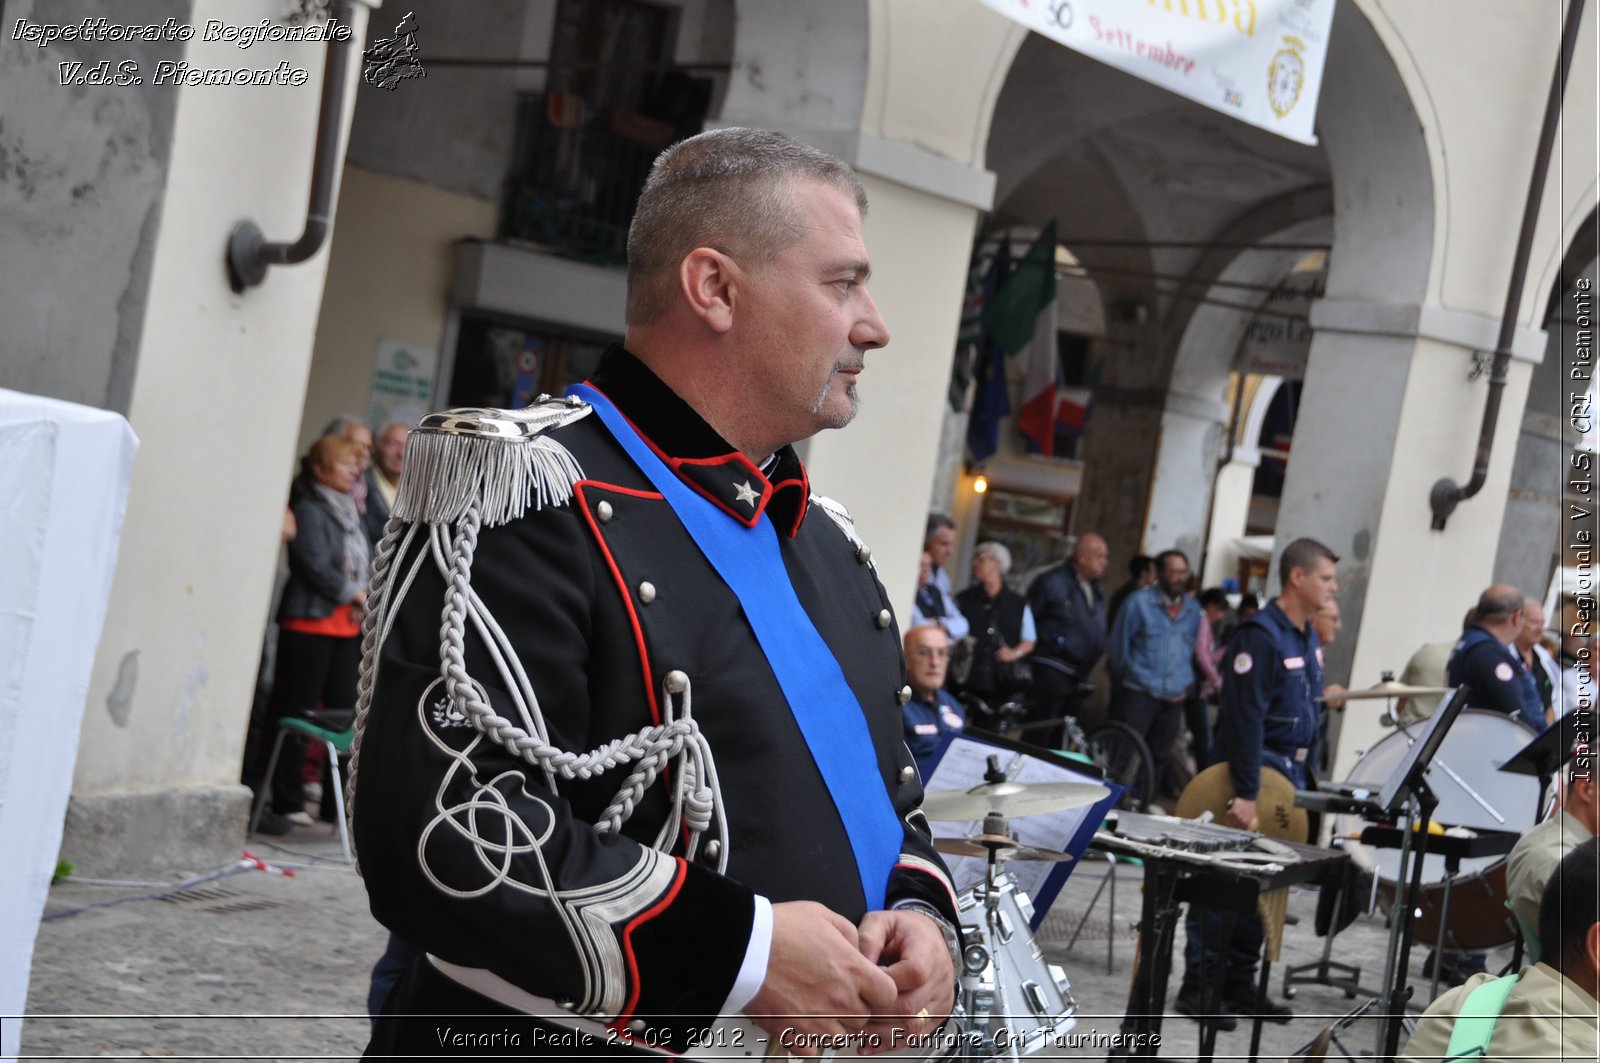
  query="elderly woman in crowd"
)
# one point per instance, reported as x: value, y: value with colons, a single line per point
x: 1002, y: 628
x: 319, y: 620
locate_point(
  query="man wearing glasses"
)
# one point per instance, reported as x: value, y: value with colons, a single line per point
x: 931, y: 713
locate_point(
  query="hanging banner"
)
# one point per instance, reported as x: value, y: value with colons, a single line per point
x: 1258, y: 60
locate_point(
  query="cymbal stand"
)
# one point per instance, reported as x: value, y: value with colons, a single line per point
x: 1416, y: 813
x: 994, y: 824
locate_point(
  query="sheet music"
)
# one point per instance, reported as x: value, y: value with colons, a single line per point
x: 962, y: 766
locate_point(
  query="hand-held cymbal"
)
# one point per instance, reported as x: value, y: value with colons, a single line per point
x: 1011, y: 799
x: 1003, y: 848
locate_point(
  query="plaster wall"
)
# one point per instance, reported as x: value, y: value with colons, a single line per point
x: 934, y: 82
x: 454, y: 129
x: 802, y: 64
x: 219, y: 386
x: 1531, y: 537
x: 389, y: 276
x: 1406, y: 584
x: 1482, y: 95
x: 882, y: 466
x: 81, y: 176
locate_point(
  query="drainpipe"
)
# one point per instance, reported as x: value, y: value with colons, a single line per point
x: 1446, y: 493
x: 249, y: 252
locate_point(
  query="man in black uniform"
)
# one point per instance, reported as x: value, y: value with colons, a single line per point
x: 1268, y: 714
x: 630, y: 753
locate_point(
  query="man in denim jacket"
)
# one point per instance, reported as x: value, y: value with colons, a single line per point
x: 1151, y: 657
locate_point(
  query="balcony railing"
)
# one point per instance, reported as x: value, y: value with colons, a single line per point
x: 576, y: 176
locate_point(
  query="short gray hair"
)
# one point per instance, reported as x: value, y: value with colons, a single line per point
x: 997, y: 551
x: 729, y: 189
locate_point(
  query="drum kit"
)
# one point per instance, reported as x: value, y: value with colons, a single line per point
x: 1013, y: 1003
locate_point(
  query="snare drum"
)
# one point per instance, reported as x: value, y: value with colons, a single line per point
x: 1464, y: 766
x: 1014, y: 999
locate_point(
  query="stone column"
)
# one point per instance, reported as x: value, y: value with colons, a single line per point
x: 1186, y: 461
x: 1389, y: 407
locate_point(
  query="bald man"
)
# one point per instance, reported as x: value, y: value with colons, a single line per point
x: 931, y: 713
x: 1069, y: 611
x: 1486, y: 660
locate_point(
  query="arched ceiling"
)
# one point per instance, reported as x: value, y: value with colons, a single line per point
x: 1115, y: 158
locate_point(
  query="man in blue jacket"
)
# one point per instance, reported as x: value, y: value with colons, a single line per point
x: 1150, y: 655
x: 1485, y: 661
x: 1268, y: 715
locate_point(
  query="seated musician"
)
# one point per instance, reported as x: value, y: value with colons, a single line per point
x: 1548, y: 1010
x: 931, y: 713
x: 1268, y: 715
x: 1534, y: 858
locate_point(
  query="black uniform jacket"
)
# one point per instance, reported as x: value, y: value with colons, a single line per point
x: 461, y: 842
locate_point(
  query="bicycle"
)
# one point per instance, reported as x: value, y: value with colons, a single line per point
x: 1116, y: 748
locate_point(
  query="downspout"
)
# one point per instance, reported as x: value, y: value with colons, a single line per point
x: 1446, y: 493
x: 249, y: 252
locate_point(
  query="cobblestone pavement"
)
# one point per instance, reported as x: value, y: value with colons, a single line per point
x: 263, y: 966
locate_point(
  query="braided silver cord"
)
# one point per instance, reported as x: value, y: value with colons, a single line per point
x: 371, y: 627
x: 649, y: 750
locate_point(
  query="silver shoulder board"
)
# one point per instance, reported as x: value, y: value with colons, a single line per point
x: 500, y: 462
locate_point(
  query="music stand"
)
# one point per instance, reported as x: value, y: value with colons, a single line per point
x: 1408, y: 786
x: 1407, y: 798
x: 1543, y: 757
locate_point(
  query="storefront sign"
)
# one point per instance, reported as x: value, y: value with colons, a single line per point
x: 1258, y: 60
x: 402, y: 383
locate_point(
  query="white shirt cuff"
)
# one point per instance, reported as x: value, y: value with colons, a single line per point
x: 753, y: 971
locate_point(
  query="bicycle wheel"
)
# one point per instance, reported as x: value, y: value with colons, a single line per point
x: 1121, y: 752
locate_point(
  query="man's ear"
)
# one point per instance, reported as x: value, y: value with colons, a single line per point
x: 709, y: 280
x: 1591, y: 945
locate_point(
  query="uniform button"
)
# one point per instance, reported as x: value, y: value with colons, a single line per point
x: 565, y: 1005
x: 647, y: 592
x: 863, y: 553
x: 636, y: 1026
x: 604, y: 511
x: 904, y: 695
x: 907, y: 773
x: 676, y: 682
x: 713, y: 851
x: 885, y: 618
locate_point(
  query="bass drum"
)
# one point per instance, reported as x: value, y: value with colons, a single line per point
x: 1464, y: 766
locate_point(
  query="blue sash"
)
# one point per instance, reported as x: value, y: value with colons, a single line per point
x: 835, y: 728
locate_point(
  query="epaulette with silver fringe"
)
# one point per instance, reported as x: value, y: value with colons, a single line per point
x: 502, y: 461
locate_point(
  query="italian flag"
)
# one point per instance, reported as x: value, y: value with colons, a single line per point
x: 1022, y: 319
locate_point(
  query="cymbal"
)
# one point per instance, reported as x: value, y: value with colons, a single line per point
x: 1011, y: 799
x: 1388, y: 689
x: 1004, y: 848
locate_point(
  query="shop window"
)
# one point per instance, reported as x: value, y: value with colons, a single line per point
x: 1033, y: 527
x: 508, y: 366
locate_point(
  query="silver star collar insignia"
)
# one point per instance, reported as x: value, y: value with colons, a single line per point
x: 746, y: 494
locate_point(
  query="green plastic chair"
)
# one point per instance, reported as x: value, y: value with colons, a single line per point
x: 337, y: 742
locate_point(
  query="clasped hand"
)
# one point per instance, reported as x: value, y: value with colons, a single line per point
x: 834, y: 983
